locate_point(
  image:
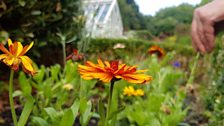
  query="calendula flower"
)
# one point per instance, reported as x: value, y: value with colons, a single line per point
x: 75, y: 56
x: 156, y: 50
x: 16, y: 55
x: 130, y: 91
x: 106, y: 71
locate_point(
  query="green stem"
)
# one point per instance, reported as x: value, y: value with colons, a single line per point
x: 64, y: 52
x: 109, y: 101
x: 11, y: 102
x: 191, y: 78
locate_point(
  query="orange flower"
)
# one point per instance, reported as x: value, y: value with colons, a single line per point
x: 112, y: 70
x: 156, y: 50
x: 15, y: 55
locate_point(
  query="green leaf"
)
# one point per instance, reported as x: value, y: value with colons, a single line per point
x: 26, y: 111
x: 17, y: 93
x: 52, y: 113
x: 22, y: 3
x: 39, y: 121
x: 101, y: 112
x: 55, y: 71
x: 70, y: 115
x: 116, y: 112
x: 24, y: 84
x: 36, y: 12
x: 40, y: 75
x: 85, y: 110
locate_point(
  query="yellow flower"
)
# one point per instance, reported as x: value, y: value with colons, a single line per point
x: 130, y: 91
x: 156, y: 50
x: 68, y: 86
x: 112, y: 70
x: 16, y: 55
x: 139, y: 92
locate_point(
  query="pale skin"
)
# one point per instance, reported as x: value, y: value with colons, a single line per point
x: 202, y: 28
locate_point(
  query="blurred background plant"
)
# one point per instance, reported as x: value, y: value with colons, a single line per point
x: 31, y: 20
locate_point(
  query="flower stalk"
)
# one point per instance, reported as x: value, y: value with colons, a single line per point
x: 109, y: 101
x: 11, y: 102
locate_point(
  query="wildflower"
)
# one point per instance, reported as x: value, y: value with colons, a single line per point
x: 156, y: 50
x: 119, y: 46
x: 130, y: 91
x: 15, y: 55
x: 68, y: 87
x: 176, y: 64
x: 139, y: 92
x: 112, y: 70
x: 75, y: 56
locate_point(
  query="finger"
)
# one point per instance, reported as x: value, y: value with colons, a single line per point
x: 196, y: 37
x: 193, y: 33
x: 210, y: 37
x: 201, y: 30
x: 211, y: 41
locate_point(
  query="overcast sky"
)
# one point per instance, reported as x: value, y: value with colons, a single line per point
x: 150, y: 7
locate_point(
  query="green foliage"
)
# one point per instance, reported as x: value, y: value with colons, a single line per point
x: 214, y: 99
x: 131, y: 17
x: 133, y: 47
x: 162, y: 92
x: 54, y: 88
x: 40, y: 21
x: 166, y: 19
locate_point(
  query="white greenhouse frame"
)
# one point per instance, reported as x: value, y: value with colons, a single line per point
x: 103, y: 19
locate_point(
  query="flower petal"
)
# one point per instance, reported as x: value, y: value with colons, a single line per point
x: 27, y: 64
x: 9, y: 60
x: 3, y: 56
x: 3, y: 49
x: 100, y: 62
x: 9, y: 42
x: 18, y: 48
x: 26, y: 48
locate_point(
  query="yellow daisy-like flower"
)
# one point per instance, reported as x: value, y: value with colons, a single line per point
x: 130, y: 91
x: 139, y: 92
x: 106, y: 71
x: 16, y: 55
x: 156, y: 50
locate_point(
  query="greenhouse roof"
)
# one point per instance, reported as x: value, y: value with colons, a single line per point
x: 98, y: 9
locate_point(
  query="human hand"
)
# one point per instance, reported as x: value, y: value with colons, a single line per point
x: 202, y: 28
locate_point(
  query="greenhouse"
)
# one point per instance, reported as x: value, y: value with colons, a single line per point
x: 103, y: 18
